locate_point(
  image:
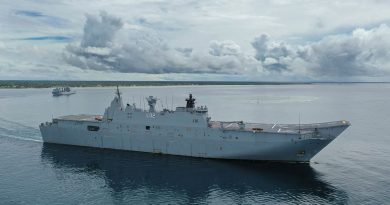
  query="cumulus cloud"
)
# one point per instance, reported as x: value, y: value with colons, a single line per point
x: 99, y: 31
x: 274, y: 55
x: 224, y: 48
x: 107, y: 45
x: 361, y: 53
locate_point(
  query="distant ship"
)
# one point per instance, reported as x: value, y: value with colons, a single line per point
x: 62, y: 91
x: 189, y: 131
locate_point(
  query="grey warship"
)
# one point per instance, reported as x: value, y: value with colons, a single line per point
x: 62, y: 91
x: 189, y: 131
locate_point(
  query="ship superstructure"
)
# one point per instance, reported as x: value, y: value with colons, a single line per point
x: 62, y: 91
x: 189, y: 131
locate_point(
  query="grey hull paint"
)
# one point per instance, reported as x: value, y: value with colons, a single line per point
x: 224, y: 145
x: 190, y: 132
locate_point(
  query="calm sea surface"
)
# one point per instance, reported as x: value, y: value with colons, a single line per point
x: 353, y: 169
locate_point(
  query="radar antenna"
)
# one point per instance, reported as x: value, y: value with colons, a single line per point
x: 152, y: 103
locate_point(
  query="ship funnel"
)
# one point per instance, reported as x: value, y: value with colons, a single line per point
x: 152, y: 103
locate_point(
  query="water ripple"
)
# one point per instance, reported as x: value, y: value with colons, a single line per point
x: 19, y: 131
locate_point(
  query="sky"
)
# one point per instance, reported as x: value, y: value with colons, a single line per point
x: 241, y: 40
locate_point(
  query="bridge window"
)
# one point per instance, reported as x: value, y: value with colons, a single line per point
x: 93, y: 128
x: 147, y: 127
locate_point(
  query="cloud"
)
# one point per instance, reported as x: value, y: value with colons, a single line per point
x: 48, y: 38
x: 29, y: 13
x: 310, y: 40
x: 99, y: 31
x: 224, y: 48
x: 360, y: 53
x: 107, y: 45
x: 41, y: 17
x: 142, y: 51
x: 273, y: 55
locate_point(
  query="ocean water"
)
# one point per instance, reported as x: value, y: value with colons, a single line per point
x: 353, y: 169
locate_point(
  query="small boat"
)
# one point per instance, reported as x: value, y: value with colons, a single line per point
x: 62, y: 91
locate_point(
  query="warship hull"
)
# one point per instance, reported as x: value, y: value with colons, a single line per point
x: 189, y: 131
x: 211, y: 142
x: 64, y: 93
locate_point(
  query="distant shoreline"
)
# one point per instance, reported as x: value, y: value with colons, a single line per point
x: 20, y: 84
x: 49, y: 84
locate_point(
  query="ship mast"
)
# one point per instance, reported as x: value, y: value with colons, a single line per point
x: 117, y: 92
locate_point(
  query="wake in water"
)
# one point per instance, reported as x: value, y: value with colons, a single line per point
x: 17, y: 130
